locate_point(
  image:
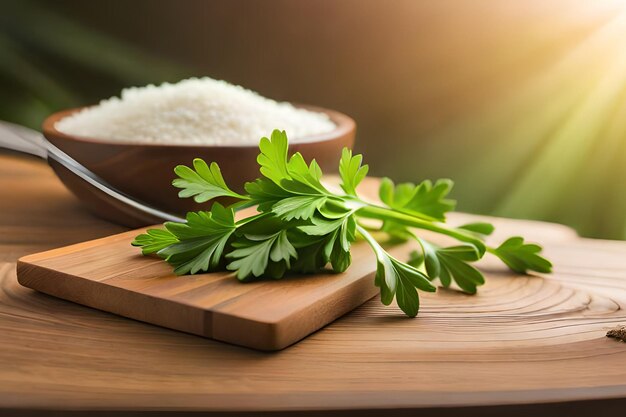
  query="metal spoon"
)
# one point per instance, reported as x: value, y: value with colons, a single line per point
x: 25, y: 140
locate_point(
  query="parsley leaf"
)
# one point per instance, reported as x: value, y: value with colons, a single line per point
x: 423, y: 200
x: 312, y: 253
x: 292, y: 175
x: 265, y: 193
x: 154, y: 240
x: 203, y: 183
x: 252, y: 256
x: 351, y: 171
x: 450, y: 264
x: 304, y: 179
x: 273, y: 157
x: 339, y: 233
x: 480, y: 228
x: 298, y: 207
x: 397, y: 279
x: 522, y: 257
x: 291, y: 189
x: 200, y: 240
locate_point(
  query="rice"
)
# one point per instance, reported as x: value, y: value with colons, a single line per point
x: 196, y: 111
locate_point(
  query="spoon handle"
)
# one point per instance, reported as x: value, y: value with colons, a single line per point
x: 22, y: 139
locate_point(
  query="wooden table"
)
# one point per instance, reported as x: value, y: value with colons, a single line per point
x: 524, y: 344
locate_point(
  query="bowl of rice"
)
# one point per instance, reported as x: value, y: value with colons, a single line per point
x: 134, y: 141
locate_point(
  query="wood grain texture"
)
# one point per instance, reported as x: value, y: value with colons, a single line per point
x: 111, y: 275
x: 38, y: 213
x: 523, y: 344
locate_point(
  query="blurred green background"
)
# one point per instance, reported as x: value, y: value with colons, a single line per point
x: 521, y: 103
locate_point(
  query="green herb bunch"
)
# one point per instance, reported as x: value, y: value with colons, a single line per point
x: 303, y: 227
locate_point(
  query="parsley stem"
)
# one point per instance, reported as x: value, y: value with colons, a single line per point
x: 251, y: 219
x: 378, y: 250
x: 381, y: 213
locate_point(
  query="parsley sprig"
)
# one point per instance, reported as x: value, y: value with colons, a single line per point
x: 302, y: 227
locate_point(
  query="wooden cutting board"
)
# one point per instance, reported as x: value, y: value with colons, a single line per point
x: 111, y: 275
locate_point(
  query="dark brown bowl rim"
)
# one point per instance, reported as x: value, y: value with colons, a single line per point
x: 344, y: 125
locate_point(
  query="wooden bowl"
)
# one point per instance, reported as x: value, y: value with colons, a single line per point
x: 145, y: 171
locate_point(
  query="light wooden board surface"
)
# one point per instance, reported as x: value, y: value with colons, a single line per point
x: 522, y: 345
x: 111, y: 275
